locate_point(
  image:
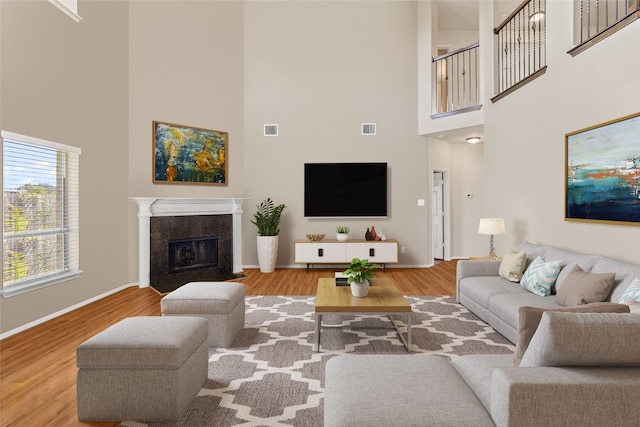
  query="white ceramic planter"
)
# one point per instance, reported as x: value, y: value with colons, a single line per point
x: 360, y: 289
x: 342, y: 237
x: 267, y: 253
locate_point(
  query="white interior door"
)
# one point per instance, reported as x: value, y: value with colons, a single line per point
x: 437, y: 207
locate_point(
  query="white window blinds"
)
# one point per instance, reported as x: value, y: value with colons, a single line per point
x: 41, y: 213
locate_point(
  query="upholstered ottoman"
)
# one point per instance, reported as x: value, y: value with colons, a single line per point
x: 142, y: 368
x: 221, y: 303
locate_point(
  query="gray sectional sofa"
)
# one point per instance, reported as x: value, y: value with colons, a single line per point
x: 496, y: 300
x: 577, y: 369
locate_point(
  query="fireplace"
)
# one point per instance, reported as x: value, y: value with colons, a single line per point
x: 192, y: 254
x: 188, y: 240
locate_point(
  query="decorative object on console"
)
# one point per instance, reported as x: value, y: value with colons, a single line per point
x: 267, y: 218
x: 491, y: 226
x: 359, y: 274
x: 382, y: 236
x: 367, y: 234
x: 315, y: 237
x: 374, y: 235
x: 188, y: 155
x: 342, y: 233
x: 602, y: 178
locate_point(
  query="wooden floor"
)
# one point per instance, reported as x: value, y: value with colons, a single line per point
x: 38, y: 366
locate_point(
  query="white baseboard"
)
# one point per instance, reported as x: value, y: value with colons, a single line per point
x: 61, y: 312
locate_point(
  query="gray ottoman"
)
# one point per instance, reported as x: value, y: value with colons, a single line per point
x: 221, y: 303
x: 142, y: 368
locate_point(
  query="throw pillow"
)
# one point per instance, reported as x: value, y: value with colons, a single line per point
x: 540, y: 276
x: 632, y: 294
x: 581, y: 287
x: 529, y: 318
x: 584, y: 339
x: 512, y: 265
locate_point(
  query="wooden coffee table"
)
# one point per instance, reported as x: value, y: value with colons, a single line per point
x: 383, y: 298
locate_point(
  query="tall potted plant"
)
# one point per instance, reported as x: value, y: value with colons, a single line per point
x: 267, y: 219
x: 359, y: 274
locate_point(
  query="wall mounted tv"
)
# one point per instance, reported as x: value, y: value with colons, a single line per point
x: 336, y: 190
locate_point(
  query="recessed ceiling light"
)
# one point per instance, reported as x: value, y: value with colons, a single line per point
x: 473, y: 140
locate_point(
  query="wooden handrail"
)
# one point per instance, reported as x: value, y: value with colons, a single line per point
x: 455, y: 52
x: 514, y: 13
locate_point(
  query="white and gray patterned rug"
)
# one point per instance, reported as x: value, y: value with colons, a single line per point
x: 272, y: 377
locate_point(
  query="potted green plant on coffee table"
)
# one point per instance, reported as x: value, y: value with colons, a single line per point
x: 359, y: 275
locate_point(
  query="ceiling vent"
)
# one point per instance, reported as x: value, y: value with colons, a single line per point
x: 271, y: 130
x: 368, y: 128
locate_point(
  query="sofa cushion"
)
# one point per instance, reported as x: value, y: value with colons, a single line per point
x: 481, y: 288
x: 632, y: 294
x: 398, y: 390
x: 476, y: 370
x: 529, y: 319
x: 584, y: 339
x: 512, y: 265
x: 581, y: 287
x: 540, y: 276
x: 505, y: 306
x: 625, y: 273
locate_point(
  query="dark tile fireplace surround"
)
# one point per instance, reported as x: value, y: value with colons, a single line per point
x: 190, y: 249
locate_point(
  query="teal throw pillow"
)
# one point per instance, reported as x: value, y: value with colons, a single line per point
x: 632, y: 294
x: 540, y: 276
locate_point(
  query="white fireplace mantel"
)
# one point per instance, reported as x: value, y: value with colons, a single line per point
x: 157, y: 206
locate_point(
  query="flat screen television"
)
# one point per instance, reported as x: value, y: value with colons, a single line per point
x: 336, y: 190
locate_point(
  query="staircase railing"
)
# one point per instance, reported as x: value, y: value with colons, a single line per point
x: 520, y: 47
x: 456, y: 82
x: 595, y: 20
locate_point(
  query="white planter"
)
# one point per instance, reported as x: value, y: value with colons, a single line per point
x: 360, y: 289
x: 342, y: 237
x: 267, y: 253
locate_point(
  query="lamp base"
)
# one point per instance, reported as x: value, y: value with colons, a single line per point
x: 492, y: 249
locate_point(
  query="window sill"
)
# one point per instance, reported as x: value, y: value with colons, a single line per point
x: 12, y: 291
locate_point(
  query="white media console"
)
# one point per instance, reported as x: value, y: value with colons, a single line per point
x: 336, y: 252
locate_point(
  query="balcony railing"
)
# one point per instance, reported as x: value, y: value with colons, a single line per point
x: 456, y: 82
x: 597, y: 19
x: 520, y: 47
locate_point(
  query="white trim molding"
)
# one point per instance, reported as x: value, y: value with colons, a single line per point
x: 69, y: 7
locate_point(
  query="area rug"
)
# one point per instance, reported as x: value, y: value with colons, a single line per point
x: 272, y: 377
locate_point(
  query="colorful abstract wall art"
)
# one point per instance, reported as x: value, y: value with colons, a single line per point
x: 189, y: 155
x: 603, y: 172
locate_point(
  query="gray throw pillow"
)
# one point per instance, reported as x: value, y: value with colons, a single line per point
x: 585, y: 339
x: 529, y: 319
x: 581, y: 287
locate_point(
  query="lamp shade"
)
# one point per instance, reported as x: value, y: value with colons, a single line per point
x: 491, y: 226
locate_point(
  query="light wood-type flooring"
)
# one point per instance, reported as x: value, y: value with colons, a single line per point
x: 38, y: 366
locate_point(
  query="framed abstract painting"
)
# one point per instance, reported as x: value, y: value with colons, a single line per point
x: 189, y: 155
x: 602, y: 182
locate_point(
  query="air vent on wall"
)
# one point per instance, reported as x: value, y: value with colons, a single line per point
x: 368, y: 128
x: 271, y: 130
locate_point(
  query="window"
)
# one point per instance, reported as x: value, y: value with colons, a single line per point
x: 40, y: 213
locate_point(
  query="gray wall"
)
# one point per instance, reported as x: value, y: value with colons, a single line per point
x: 68, y: 82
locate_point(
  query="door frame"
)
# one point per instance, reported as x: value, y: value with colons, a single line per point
x: 446, y: 207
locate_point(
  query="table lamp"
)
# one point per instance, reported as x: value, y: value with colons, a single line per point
x: 491, y: 226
